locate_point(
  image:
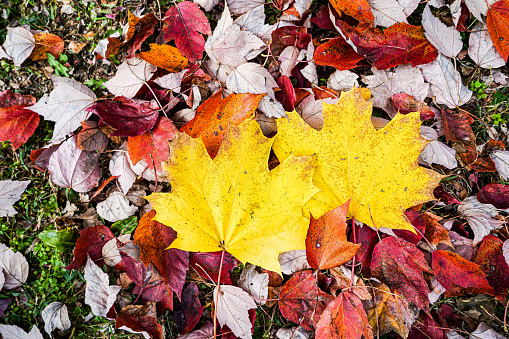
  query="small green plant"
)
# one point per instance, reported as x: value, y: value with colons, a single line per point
x: 479, y: 88
x: 59, y: 65
x: 95, y: 84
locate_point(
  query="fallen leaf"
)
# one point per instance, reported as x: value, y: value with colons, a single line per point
x: 76, y: 46
x: 342, y: 81
x: 120, y: 167
x: 4, y: 305
x: 358, y: 9
x: 242, y: 6
x: 65, y: 105
x: 286, y: 36
x: 140, y: 318
x: 338, y: 54
x: 344, y: 317
x: 139, y: 30
x: 495, y: 194
x: 286, y: 96
x: 206, y: 331
x: 405, y: 103
x: 19, y: 44
x: 296, y: 332
x: 154, y: 238
x: 47, y: 43
x: 445, y: 38
x: 458, y: 275
x: 293, y: 261
x: 501, y: 161
x: 207, y: 264
x: 345, y: 145
x: 11, y: 192
x: 131, y: 75
x: 110, y: 250
x: 184, y: 23
x: 399, y: 44
x: 128, y: 117
x: 479, y: 8
x: 55, y: 317
x: 401, y: 265
x: 497, y: 20
x: 153, y: 145
x: 437, y: 152
x: 326, y: 242
x: 389, y: 312
x: 213, y: 116
x: 188, y: 312
x: 90, y: 244
x: 17, y: 124
x: 445, y: 81
x: 485, y: 332
x: 251, y: 233
x: 301, y: 301
x: 427, y: 327
x: 14, y: 266
x: 115, y: 208
x: 164, y: 56
x: 387, y: 13
x: 435, y: 232
x: 254, y: 283
x: 99, y: 295
x: 231, y: 309
x: 479, y: 217
x: 14, y: 332
x: 482, y: 50
x: 71, y: 167
x: 4, y: 55
x: 109, y: 47
x: 491, y: 260
x: 384, y: 85
x: 91, y: 138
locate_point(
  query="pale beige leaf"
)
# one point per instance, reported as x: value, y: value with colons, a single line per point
x: 19, y: 44
x: 387, y: 12
x: 99, y: 295
x: 293, y: 261
x: 445, y: 38
x: 479, y: 217
x: 10, y: 193
x: 15, y: 267
x: 254, y: 283
x: 232, y: 306
x: 110, y: 251
x: 14, y: 332
x: 115, y: 208
x: 130, y: 77
x: 55, y: 316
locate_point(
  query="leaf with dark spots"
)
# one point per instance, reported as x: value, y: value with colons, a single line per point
x: 153, y: 146
x: 128, y: 117
x: 139, y: 30
x: 358, y: 9
x: 497, y: 21
x: 401, y: 265
x: 399, y: 44
x: 458, y: 275
x: 164, y: 56
x: 338, y: 54
x: 91, y: 138
x: 140, y: 318
x: 344, y: 317
x: 187, y: 313
x: 326, y: 242
x: 47, y: 43
x: 286, y: 96
x: 286, y: 36
x: 206, y: 264
x: 214, y: 115
x: 184, y: 23
x: 91, y: 243
x: 491, y: 260
x: 495, y: 194
x: 301, y: 301
x: 154, y: 238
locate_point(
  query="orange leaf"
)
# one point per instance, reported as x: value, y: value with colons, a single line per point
x: 164, y: 56
x: 358, y: 9
x: 326, y: 242
x: 152, y: 146
x: 215, y: 113
x: 344, y: 317
x: 17, y: 124
x: 458, y: 275
x: 46, y: 43
x: 498, y: 26
x: 435, y: 232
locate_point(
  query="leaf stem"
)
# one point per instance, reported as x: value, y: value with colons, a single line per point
x: 353, y: 259
x: 217, y: 294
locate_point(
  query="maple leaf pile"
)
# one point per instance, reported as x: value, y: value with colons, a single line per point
x: 258, y: 187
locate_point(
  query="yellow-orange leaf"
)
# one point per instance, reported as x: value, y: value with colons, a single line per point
x: 378, y: 170
x: 234, y: 202
x: 164, y: 56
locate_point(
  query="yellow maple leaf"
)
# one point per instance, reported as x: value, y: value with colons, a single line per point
x: 378, y: 170
x: 234, y: 202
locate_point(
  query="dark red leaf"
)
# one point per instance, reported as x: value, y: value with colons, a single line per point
x: 492, y: 262
x: 286, y: 96
x: 426, y: 328
x: 90, y: 242
x: 126, y: 116
x: 286, y: 36
x: 301, y: 301
x: 154, y: 238
x: 418, y: 222
x: 206, y: 264
x: 458, y: 275
x: 4, y: 304
x: 442, y: 195
x: 184, y: 24
x: 495, y: 194
x: 140, y: 319
x: 367, y: 238
x: 405, y: 103
x: 40, y: 157
x: 323, y: 20
x: 187, y: 313
x: 400, y: 265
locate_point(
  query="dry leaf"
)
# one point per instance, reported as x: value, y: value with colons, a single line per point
x: 99, y: 295
x: 15, y: 267
x: 55, y: 317
x: 19, y: 44
x: 14, y: 332
x: 130, y: 77
x: 254, y: 283
x: 445, y: 38
x: 10, y: 193
x: 115, y: 208
x: 231, y: 309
